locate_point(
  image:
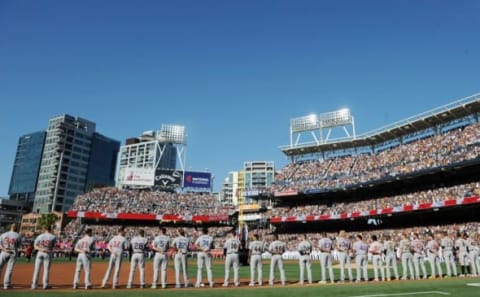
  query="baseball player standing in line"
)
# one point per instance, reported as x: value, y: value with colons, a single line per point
x: 84, y: 247
x: 181, y: 245
x: 433, y: 254
x: 9, y: 243
x: 376, y: 249
x: 204, y: 245
x: 161, y: 244
x: 472, y: 246
x: 117, y: 245
x: 405, y: 249
x: 138, y: 244
x: 276, y: 248
x: 390, y: 257
x: 344, y: 246
x: 231, y: 246
x: 325, y: 245
x: 360, y: 250
x: 304, y: 249
x: 447, y: 246
x: 256, y: 249
x: 462, y: 254
x: 44, y: 244
x: 419, y: 256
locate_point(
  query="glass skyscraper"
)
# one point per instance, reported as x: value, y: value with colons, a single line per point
x: 26, y: 167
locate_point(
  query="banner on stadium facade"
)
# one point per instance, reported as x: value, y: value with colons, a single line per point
x: 286, y: 193
x: 137, y: 176
x: 314, y: 191
x: 200, y: 180
x: 252, y: 193
x: 167, y: 179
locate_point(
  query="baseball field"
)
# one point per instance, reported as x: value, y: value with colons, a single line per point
x: 62, y: 272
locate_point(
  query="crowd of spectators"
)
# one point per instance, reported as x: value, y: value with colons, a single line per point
x: 428, y: 196
x: 338, y: 172
x: 114, y: 200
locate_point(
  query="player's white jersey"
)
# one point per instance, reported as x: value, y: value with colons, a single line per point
x: 86, y: 244
x: 389, y: 247
x: 405, y: 246
x: 375, y: 248
x: 46, y: 241
x: 205, y: 242
x: 256, y: 247
x: 418, y: 246
x: 461, y: 245
x: 447, y: 244
x: 232, y: 245
x: 181, y: 244
x: 343, y: 244
x: 118, y: 244
x: 277, y: 247
x: 10, y: 241
x: 325, y: 244
x: 433, y: 246
x: 138, y: 244
x: 360, y: 247
x: 304, y: 247
x: 162, y: 242
x: 472, y: 245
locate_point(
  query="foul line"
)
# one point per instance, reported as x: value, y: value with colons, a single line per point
x: 405, y: 294
x: 474, y: 284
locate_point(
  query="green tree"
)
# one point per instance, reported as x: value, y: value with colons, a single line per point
x: 47, y: 219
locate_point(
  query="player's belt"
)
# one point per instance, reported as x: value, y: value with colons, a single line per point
x: 304, y: 254
x: 232, y: 253
x: 138, y: 252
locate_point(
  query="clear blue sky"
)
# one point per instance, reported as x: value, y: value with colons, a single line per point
x: 233, y: 72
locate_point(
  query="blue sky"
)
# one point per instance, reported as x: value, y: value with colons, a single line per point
x: 233, y: 72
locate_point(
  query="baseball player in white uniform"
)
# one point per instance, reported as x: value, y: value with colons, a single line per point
x: 390, y: 257
x: 138, y: 244
x: 376, y: 250
x: 117, y: 245
x: 418, y: 248
x: 325, y: 244
x: 84, y: 247
x: 433, y: 254
x: 231, y: 246
x: 344, y: 246
x: 256, y: 249
x: 276, y: 248
x: 462, y: 254
x: 304, y: 249
x: 44, y: 244
x: 181, y: 245
x: 360, y: 249
x: 9, y: 243
x: 204, y: 244
x: 405, y: 249
x: 473, y: 250
x: 161, y: 244
x: 447, y: 247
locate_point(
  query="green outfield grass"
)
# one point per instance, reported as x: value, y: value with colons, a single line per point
x: 443, y: 287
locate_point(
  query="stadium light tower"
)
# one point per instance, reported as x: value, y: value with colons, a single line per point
x: 174, y: 134
x: 320, y: 126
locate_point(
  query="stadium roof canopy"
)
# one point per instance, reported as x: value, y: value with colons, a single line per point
x: 438, y: 116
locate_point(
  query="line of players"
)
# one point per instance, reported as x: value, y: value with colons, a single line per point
x: 384, y: 253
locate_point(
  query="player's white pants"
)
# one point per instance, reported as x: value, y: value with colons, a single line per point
x: 407, y: 265
x: 419, y: 263
x: 326, y: 263
x: 160, y: 262
x: 344, y: 261
x: 450, y: 263
x: 435, y: 262
x: 463, y: 258
x: 115, y: 261
x: 204, y: 259
x: 83, y: 261
x: 378, y: 266
x: 256, y: 263
x: 9, y: 259
x: 276, y: 260
x: 231, y: 261
x: 42, y: 258
x: 181, y: 263
x: 474, y: 263
x: 361, y: 262
x: 138, y: 259
x: 305, y: 263
x: 391, y: 262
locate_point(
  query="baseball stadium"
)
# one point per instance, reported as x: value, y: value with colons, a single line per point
x: 391, y: 212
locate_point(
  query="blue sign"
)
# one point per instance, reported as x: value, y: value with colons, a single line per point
x: 201, y: 180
